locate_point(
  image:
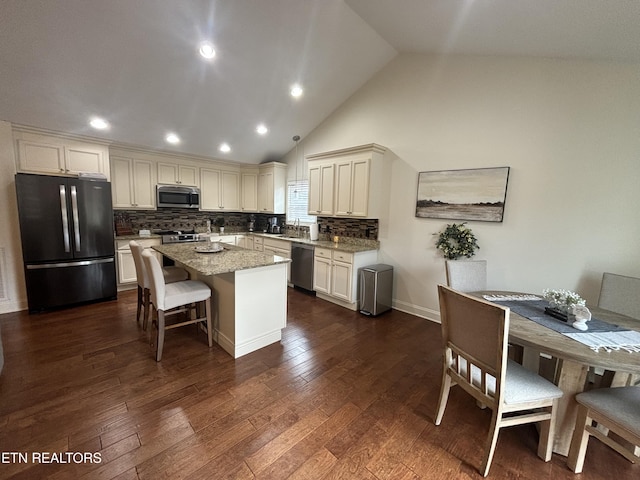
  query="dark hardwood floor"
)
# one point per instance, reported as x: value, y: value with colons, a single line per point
x: 342, y: 396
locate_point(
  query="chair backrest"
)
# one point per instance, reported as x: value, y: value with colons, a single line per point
x: 141, y: 272
x: 475, y: 334
x: 466, y: 275
x: 620, y: 294
x: 156, y: 279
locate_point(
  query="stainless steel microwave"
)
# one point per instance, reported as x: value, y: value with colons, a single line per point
x: 177, y: 197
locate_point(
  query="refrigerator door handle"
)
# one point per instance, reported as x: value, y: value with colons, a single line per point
x: 65, y: 218
x: 76, y: 219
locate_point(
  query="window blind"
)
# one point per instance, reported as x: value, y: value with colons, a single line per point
x: 298, y: 201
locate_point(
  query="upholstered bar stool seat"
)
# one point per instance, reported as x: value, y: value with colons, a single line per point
x: 174, y: 298
x: 171, y: 274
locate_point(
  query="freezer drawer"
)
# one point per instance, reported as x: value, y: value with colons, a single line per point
x: 62, y: 284
x: 375, y: 285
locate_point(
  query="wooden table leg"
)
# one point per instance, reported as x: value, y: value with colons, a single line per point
x: 570, y: 377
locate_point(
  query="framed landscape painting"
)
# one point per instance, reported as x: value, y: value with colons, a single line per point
x: 475, y: 194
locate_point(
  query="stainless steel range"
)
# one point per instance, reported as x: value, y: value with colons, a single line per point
x: 178, y: 236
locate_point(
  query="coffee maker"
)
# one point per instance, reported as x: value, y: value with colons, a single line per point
x: 252, y: 223
x: 273, y: 225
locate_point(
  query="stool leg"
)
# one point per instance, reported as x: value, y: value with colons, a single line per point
x: 209, y: 329
x: 160, y: 342
x: 147, y: 301
x: 139, y: 304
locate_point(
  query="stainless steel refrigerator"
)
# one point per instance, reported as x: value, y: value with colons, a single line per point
x: 66, y: 227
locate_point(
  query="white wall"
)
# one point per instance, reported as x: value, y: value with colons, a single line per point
x: 570, y: 131
x: 13, y: 296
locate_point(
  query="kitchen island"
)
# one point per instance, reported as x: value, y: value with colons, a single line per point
x: 249, y: 293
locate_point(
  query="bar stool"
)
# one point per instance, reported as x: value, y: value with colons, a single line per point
x: 171, y: 274
x: 173, y: 298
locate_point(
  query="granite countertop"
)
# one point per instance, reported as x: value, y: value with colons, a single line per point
x: 230, y: 259
x: 137, y: 237
x: 346, y: 244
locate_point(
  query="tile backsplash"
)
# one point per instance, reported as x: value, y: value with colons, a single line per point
x: 184, y: 219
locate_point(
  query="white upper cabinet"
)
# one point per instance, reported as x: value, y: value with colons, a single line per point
x: 321, y: 178
x: 353, y: 182
x: 352, y: 188
x: 52, y: 155
x: 249, y: 191
x: 272, y: 187
x: 219, y: 190
x: 132, y: 183
x: 176, y: 174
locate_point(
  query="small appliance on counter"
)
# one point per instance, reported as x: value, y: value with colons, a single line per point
x: 273, y: 226
x: 252, y: 223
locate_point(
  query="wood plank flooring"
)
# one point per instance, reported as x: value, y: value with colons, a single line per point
x: 342, y: 396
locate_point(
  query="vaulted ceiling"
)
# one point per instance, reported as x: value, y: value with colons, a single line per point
x: 135, y: 63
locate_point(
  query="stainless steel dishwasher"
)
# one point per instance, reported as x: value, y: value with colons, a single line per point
x: 302, y: 265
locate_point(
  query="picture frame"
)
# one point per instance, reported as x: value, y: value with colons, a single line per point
x: 469, y: 194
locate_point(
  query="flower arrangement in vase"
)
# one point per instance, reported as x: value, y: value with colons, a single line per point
x: 561, y: 302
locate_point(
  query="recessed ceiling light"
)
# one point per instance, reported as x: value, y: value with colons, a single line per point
x: 99, y: 123
x: 207, y: 50
x: 296, y: 91
x: 172, y: 138
x: 225, y: 148
x: 262, y: 129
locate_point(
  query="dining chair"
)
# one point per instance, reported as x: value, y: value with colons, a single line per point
x: 171, y: 274
x: 466, y: 275
x: 174, y: 298
x: 475, y: 334
x: 616, y: 409
x: 619, y: 294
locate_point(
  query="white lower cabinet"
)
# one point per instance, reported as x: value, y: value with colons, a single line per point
x: 281, y: 248
x: 245, y: 241
x: 124, y: 258
x: 335, y: 274
x: 258, y: 244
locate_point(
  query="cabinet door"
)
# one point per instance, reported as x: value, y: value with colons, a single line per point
x: 265, y: 192
x: 126, y: 267
x: 168, y: 173
x: 210, y: 189
x: 341, y: 280
x: 343, y: 188
x: 315, y: 188
x: 121, y: 182
x: 188, y: 175
x: 249, y: 192
x: 132, y: 183
x: 321, y: 189
x: 84, y: 159
x: 144, y: 189
x: 230, y: 194
x: 359, y: 188
x: 40, y: 157
x: 322, y: 275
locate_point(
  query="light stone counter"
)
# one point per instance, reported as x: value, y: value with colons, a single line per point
x: 249, y: 293
x: 346, y: 244
x: 231, y: 259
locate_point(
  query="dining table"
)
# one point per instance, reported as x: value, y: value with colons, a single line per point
x: 573, y: 358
